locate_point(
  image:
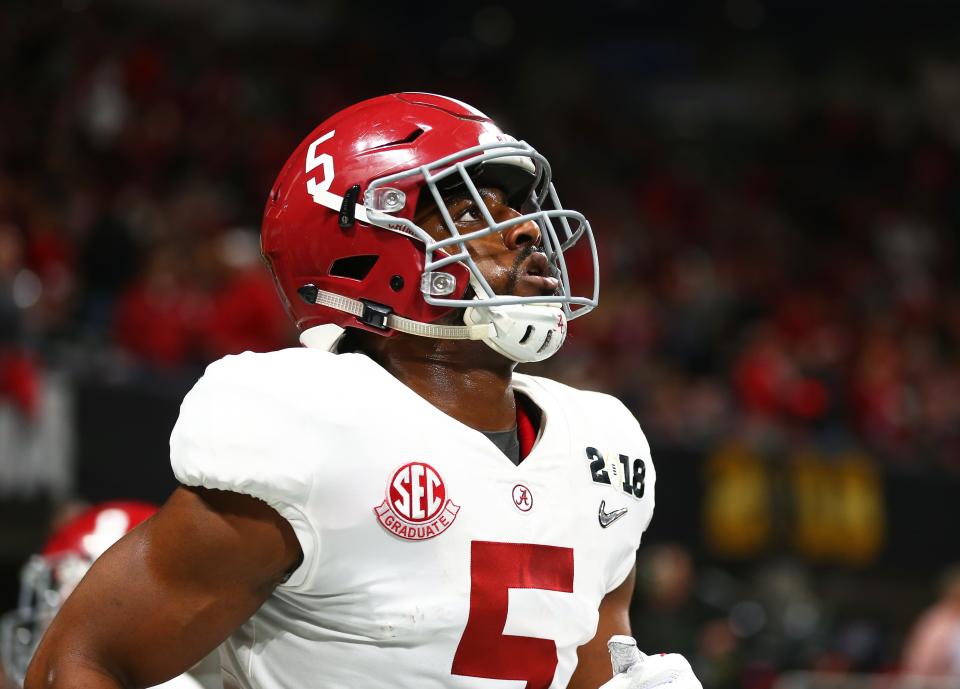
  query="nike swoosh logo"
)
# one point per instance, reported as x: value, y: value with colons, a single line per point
x: 607, y: 518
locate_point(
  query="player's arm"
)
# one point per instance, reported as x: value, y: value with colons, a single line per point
x: 167, y: 593
x: 593, y: 658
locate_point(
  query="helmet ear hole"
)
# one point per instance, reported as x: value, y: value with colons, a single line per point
x: 527, y: 334
x: 353, y: 267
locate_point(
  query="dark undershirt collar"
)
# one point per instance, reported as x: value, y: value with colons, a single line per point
x: 507, y: 441
x: 517, y: 442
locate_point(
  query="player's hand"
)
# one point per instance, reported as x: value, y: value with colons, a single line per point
x: 634, y: 670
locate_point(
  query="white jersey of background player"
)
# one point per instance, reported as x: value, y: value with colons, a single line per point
x: 389, y: 506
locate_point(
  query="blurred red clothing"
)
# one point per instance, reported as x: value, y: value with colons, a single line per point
x: 761, y: 375
x: 157, y: 326
x: 245, y: 314
x: 20, y: 382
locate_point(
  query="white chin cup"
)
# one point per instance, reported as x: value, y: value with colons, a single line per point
x: 524, y: 332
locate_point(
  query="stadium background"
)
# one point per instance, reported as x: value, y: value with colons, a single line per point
x: 776, y: 192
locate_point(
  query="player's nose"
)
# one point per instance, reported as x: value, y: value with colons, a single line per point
x: 521, y: 235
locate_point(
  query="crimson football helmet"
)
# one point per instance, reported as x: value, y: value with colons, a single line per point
x: 48, y: 578
x: 341, y: 241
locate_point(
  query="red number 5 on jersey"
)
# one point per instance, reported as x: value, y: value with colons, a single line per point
x: 484, y: 650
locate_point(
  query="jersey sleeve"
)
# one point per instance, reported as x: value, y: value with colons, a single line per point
x: 232, y: 435
x: 625, y: 434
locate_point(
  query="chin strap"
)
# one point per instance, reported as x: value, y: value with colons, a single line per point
x: 521, y: 332
x: 379, y: 316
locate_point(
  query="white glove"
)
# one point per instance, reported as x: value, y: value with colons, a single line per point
x: 180, y: 682
x: 634, y: 670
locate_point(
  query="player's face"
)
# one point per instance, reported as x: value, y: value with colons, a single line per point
x: 511, y: 261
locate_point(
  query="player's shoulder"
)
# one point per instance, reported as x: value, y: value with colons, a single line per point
x: 285, y: 368
x: 244, y: 424
x: 262, y: 402
x: 570, y: 396
x: 599, y: 409
x: 286, y: 379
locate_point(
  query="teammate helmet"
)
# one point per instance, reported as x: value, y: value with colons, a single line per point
x: 48, y: 578
x: 340, y: 238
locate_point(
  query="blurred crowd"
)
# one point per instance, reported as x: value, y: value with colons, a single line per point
x: 779, y: 260
x: 801, y: 289
x: 776, y: 625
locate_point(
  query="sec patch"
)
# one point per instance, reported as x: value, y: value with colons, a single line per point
x: 416, y: 506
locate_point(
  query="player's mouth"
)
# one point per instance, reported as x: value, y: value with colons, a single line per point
x: 537, y: 274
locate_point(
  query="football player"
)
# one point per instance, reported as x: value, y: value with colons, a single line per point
x: 390, y: 505
x: 49, y: 577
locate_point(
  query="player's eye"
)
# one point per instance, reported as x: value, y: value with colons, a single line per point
x: 469, y: 214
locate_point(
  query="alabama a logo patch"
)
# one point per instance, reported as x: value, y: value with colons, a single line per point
x: 416, y: 506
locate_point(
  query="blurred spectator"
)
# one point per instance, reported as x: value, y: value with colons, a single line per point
x: 933, y: 646
x: 197, y: 307
x: 18, y: 372
x: 243, y: 311
x: 668, y: 614
x: 157, y: 314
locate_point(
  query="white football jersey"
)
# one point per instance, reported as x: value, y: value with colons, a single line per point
x: 429, y: 559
